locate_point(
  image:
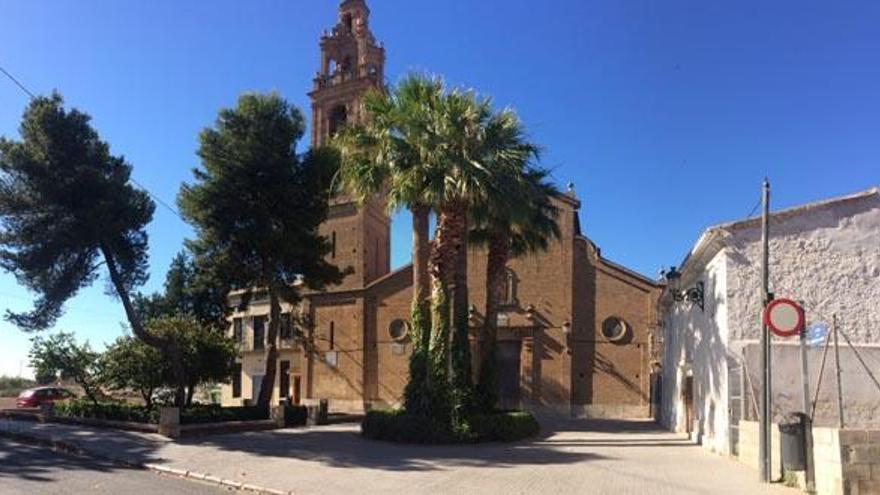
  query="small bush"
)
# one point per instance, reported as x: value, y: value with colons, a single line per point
x: 505, y: 426
x: 397, y: 426
x: 110, y: 411
x: 295, y: 415
x: 218, y: 414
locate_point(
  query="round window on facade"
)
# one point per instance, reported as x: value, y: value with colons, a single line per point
x: 615, y: 329
x: 398, y: 330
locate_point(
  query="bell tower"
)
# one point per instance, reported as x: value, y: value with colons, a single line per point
x: 352, y: 63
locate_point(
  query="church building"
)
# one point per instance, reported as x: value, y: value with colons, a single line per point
x: 576, y: 330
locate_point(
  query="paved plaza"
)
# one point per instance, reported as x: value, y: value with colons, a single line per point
x: 571, y: 457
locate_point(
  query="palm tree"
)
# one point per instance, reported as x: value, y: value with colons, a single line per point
x: 393, y: 153
x: 521, y: 220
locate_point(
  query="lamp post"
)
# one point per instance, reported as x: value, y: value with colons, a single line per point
x: 694, y: 295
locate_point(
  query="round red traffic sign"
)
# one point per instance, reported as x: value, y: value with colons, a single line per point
x: 784, y: 317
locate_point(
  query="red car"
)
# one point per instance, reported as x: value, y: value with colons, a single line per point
x: 42, y: 395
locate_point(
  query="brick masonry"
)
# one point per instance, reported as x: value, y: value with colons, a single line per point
x: 357, y: 364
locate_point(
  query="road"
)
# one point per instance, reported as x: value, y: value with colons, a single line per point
x: 34, y: 470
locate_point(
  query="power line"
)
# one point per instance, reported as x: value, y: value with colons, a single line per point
x: 17, y: 83
x: 757, y: 205
x: 158, y: 200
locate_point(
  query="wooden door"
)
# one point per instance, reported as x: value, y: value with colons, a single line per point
x: 297, y: 389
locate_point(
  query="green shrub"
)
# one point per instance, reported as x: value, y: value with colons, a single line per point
x: 504, y: 426
x: 217, y: 414
x: 397, y: 426
x: 295, y: 415
x: 111, y: 411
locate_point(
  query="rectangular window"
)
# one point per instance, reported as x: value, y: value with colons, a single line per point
x: 284, y: 380
x: 259, y: 333
x: 332, y: 335
x: 236, y: 381
x: 286, y: 327
x: 333, y: 245
x: 237, y: 330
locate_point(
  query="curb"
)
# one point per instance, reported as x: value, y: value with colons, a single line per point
x: 70, y: 448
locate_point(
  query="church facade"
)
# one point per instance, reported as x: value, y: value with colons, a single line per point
x: 576, y: 332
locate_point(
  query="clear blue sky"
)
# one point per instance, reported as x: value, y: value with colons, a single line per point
x: 666, y: 115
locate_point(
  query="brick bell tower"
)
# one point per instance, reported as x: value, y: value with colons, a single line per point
x: 352, y: 63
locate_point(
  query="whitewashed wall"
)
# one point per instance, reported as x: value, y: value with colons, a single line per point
x: 828, y: 257
x: 696, y: 342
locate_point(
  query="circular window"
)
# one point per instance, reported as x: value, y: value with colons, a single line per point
x: 614, y: 329
x: 398, y: 330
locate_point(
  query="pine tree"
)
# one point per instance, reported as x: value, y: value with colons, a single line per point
x: 256, y: 206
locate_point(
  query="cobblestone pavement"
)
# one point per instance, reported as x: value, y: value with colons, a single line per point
x: 572, y: 457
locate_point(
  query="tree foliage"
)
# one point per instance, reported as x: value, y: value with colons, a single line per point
x: 60, y: 355
x: 129, y: 364
x: 188, y: 290
x: 65, y: 203
x: 256, y: 206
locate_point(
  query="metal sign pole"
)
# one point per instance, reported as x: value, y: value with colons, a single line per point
x: 808, y: 422
x: 764, y: 447
x: 837, y: 365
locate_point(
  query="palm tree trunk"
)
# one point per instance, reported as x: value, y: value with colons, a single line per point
x: 421, y: 251
x: 268, y: 386
x: 499, y: 252
x: 496, y: 268
x: 451, y: 224
x: 421, y: 280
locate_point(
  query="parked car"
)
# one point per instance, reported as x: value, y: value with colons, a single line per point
x: 34, y: 397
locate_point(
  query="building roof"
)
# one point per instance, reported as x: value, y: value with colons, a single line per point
x: 715, y: 233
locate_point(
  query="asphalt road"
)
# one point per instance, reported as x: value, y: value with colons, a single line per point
x: 25, y: 469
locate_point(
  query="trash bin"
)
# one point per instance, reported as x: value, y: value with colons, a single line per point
x: 323, y: 411
x: 791, y: 439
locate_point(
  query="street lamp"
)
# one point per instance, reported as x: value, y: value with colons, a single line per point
x: 693, y: 295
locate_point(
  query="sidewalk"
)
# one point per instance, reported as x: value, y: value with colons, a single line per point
x: 573, y: 457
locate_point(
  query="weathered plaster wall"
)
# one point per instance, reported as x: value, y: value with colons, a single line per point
x: 828, y: 257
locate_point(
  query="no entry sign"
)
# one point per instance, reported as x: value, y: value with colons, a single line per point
x: 784, y: 317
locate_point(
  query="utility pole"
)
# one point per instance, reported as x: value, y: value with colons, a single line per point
x: 837, y: 365
x: 810, y: 467
x: 765, y: 447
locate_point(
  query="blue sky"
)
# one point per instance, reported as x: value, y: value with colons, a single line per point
x: 665, y: 115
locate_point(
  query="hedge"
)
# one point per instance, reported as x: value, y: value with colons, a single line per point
x: 505, y: 427
x: 111, y: 411
x: 216, y: 414
x: 295, y: 415
x: 196, y: 414
x: 397, y: 426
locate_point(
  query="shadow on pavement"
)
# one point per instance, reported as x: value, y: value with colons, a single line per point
x: 38, y: 464
x: 344, y: 447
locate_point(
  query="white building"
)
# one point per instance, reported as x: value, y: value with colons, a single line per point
x: 824, y: 254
